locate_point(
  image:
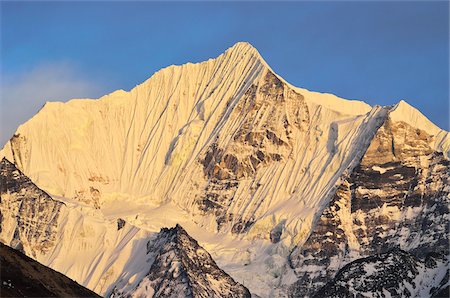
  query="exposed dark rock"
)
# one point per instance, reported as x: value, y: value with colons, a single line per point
x: 392, y: 272
x: 120, y: 223
x: 22, y: 276
x: 182, y: 268
x: 241, y: 226
x: 38, y: 213
x: 443, y: 293
x: 276, y: 232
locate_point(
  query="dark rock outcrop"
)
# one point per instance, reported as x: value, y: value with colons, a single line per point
x: 391, y: 274
x: 182, y: 268
x: 120, y: 223
x: 22, y: 276
x: 32, y: 212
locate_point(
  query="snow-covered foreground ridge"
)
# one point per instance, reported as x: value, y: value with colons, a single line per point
x: 240, y: 158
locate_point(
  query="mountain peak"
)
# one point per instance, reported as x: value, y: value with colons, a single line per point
x: 243, y: 47
x: 178, y: 229
x: 182, y: 267
x: 405, y: 112
x: 4, y: 161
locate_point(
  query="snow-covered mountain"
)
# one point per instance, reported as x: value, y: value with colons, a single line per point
x: 283, y: 186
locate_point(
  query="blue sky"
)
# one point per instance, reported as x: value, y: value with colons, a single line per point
x: 379, y: 52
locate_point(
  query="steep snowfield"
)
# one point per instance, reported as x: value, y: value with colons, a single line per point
x: 123, y: 142
x: 226, y: 148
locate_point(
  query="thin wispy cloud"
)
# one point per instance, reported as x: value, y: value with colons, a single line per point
x: 23, y: 94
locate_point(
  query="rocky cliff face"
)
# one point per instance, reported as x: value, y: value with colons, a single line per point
x: 397, y: 197
x: 391, y: 274
x: 28, y: 215
x: 181, y: 268
x: 56, y: 234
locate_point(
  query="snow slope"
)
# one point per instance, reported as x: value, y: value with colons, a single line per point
x: 397, y: 197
